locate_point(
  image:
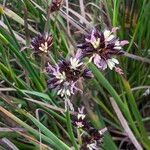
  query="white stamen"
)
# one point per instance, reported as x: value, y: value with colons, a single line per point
x: 102, y: 131
x: 91, y: 58
x: 68, y: 92
x: 96, y: 43
x: 44, y: 47
x: 79, y: 124
x: 110, y: 38
x: 58, y: 93
x: 81, y: 113
x: 112, y: 62
x: 75, y: 63
x: 92, y: 146
x: 117, y: 47
x: 82, y: 116
x: 68, y: 105
x: 147, y: 92
x: 61, y: 76
x: 108, y: 35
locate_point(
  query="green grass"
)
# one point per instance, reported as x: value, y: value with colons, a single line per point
x: 23, y: 77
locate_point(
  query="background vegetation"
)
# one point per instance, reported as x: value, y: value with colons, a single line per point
x: 32, y: 117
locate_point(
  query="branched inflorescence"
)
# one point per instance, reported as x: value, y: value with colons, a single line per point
x: 101, y: 47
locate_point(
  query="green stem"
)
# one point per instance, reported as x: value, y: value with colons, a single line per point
x: 70, y: 130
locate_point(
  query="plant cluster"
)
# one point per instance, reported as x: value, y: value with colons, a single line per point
x: 64, y: 85
x: 101, y: 48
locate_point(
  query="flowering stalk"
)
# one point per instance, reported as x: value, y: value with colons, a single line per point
x: 68, y: 104
x: 90, y: 138
x: 70, y: 130
x: 65, y: 76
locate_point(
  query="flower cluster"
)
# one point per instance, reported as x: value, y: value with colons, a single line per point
x: 79, y: 120
x: 91, y: 138
x: 101, y: 47
x: 42, y: 43
x: 65, y: 76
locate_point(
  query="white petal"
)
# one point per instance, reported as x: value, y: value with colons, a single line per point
x: 40, y: 48
x: 63, y: 92
x: 79, y: 64
x: 110, y: 63
x: 118, y: 47
x: 46, y: 45
x: 110, y: 38
x: 42, y: 45
x: 68, y: 93
x: 117, y: 43
x: 58, y: 93
x: 71, y: 60
x: 75, y: 63
x: 115, y: 60
x: 106, y: 33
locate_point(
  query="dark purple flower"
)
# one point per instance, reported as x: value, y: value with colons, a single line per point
x: 65, y: 75
x: 94, y: 140
x: 42, y: 43
x: 79, y: 120
x: 56, y: 4
x: 97, y: 134
x: 101, y: 47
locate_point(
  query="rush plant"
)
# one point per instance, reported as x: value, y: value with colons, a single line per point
x: 74, y: 74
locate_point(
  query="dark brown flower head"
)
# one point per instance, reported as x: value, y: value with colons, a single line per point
x: 65, y: 75
x: 94, y: 139
x: 56, y: 4
x: 101, y: 47
x: 97, y: 134
x: 42, y: 43
x: 79, y: 120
